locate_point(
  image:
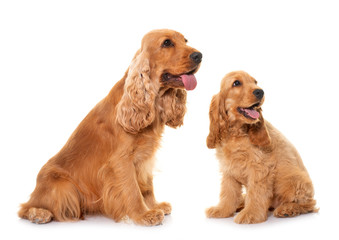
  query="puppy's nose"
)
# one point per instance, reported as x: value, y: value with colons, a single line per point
x: 258, y: 93
x: 196, y: 57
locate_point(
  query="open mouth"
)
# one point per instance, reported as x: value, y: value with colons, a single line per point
x: 250, y: 112
x: 186, y: 80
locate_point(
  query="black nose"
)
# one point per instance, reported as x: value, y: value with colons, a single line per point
x: 196, y: 57
x: 258, y: 93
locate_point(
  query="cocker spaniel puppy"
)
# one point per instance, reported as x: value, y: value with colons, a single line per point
x: 253, y: 154
x: 106, y: 165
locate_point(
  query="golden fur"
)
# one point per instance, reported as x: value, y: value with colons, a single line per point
x: 253, y: 154
x: 106, y: 165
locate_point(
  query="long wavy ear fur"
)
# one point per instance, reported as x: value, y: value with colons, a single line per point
x: 258, y: 134
x: 173, y: 107
x: 218, y: 120
x: 136, y: 109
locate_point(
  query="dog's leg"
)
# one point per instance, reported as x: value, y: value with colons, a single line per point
x: 294, y: 193
x: 258, y: 199
x: 242, y: 203
x: 230, y: 199
x: 122, y: 195
x: 146, y: 188
x: 145, y: 181
x: 54, y: 197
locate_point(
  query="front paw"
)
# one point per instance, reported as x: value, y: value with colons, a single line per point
x: 151, y: 218
x: 250, y: 217
x: 218, y: 212
x: 165, y: 207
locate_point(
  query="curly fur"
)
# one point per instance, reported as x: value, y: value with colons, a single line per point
x: 106, y: 165
x: 253, y: 154
x: 136, y: 109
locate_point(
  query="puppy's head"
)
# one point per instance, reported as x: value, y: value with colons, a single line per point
x: 238, y: 105
x: 243, y: 98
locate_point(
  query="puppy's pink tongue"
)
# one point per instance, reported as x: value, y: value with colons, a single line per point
x: 190, y: 82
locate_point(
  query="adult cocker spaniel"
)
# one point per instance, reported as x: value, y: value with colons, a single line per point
x: 252, y: 153
x: 106, y: 165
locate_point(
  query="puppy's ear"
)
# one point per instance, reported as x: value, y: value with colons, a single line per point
x: 136, y: 110
x: 218, y: 120
x: 258, y: 133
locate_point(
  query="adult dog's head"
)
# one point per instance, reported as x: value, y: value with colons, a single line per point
x: 158, y: 77
x: 238, y: 107
x: 172, y: 62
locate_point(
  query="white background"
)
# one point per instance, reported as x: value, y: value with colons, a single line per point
x: 59, y: 58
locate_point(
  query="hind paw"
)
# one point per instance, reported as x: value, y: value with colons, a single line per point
x: 39, y: 215
x: 287, y: 210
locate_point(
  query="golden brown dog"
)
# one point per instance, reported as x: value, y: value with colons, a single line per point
x: 252, y: 153
x: 106, y: 165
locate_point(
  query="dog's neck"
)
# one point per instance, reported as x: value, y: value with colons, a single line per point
x: 163, y: 90
x: 238, y: 128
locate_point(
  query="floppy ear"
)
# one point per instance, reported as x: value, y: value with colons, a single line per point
x: 258, y: 133
x: 173, y: 105
x: 217, y: 122
x: 135, y: 110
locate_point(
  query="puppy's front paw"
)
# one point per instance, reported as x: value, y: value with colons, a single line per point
x: 217, y: 212
x: 249, y: 217
x: 151, y: 218
x: 165, y: 207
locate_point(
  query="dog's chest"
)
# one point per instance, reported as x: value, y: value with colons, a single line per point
x: 240, y: 161
x: 146, y: 144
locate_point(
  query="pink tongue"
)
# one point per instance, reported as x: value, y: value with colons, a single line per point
x: 252, y: 113
x: 190, y: 82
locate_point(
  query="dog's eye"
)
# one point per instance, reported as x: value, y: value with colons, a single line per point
x: 236, y: 83
x: 167, y: 43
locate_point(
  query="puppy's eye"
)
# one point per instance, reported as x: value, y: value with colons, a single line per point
x: 236, y: 83
x: 167, y: 43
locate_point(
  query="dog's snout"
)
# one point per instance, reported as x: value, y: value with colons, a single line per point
x: 196, y: 57
x: 258, y: 93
